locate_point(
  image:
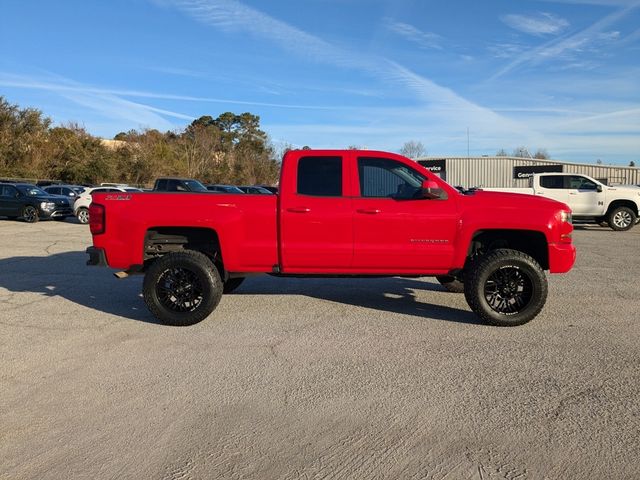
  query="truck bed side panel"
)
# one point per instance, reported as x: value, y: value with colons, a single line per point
x: 245, y: 225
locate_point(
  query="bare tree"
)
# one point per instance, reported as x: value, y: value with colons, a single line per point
x: 542, y: 154
x: 413, y: 149
x: 502, y: 153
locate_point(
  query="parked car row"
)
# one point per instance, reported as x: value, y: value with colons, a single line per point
x: 58, y: 201
x: 191, y: 185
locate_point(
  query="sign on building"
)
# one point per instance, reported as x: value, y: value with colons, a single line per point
x: 439, y: 167
x: 526, y: 171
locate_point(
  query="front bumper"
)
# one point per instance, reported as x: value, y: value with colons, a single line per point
x: 97, y: 257
x: 57, y: 213
x: 562, y: 256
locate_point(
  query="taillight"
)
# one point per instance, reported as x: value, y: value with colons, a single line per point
x: 96, y: 219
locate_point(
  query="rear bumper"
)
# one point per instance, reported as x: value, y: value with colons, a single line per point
x: 97, y: 257
x: 561, y: 257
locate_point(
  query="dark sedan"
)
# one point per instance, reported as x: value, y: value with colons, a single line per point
x: 256, y: 190
x: 224, y: 189
x: 32, y: 203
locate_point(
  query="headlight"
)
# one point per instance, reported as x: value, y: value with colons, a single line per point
x: 47, y: 205
x: 566, y: 216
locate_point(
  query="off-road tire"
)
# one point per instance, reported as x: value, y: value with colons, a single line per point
x: 30, y: 214
x: 83, y: 215
x: 480, y: 276
x: 206, y: 281
x: 231, y: 284
x: 621, y: 219
x: 451, y: 284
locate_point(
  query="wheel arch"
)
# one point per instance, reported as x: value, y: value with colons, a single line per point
x: 159, y: 241
x: 532, y: 242
x: 623, y: 203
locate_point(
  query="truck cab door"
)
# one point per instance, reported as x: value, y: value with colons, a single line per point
x: 585, y: 198
x: 316, y: 220
x: 397, y: 229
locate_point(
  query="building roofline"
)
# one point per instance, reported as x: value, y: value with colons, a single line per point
x: 523, y: 159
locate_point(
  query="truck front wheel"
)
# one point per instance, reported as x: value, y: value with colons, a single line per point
x: 182, y: 288
x: 505, y: 288
x: 621, y: 219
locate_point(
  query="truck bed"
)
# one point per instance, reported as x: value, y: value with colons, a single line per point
x: 247, y: 221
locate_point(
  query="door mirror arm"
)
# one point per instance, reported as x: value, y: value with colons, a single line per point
x: 432, y: 191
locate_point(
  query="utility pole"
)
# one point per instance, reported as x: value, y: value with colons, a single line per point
x: 468, y: 143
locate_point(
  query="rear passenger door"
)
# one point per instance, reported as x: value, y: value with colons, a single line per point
x: 553, y: 187
x: 10, y: 204
x: 316, y: 226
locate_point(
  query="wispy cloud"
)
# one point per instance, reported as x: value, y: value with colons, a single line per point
x: 66, y: 86
x: 425, y: 40
x: 539, y: 24
x: 556, y: 48
x: 233, y: 16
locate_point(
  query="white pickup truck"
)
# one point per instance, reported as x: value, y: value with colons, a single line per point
x: 587, y: 197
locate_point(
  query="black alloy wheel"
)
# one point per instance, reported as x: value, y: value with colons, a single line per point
x: 30, y: 214
x: 508, y: 290
x: 505, y: 287
x: 179, y: 290
x: 182, y: 288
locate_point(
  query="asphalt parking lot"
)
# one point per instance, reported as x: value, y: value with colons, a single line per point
x: 293, y: 378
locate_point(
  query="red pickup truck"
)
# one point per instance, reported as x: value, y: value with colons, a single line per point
x: 338, y: 213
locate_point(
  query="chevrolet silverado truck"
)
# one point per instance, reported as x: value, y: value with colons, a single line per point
x: 339, y: 213
x: 588, y: 199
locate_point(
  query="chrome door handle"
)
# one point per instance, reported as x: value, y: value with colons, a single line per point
x: 368, y: 211
x: 299, y: 210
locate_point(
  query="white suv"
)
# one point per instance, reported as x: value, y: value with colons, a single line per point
x: 81, y: 205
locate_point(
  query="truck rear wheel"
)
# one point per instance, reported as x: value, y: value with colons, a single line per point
x: 182, y: 288
x: 451, y: 284
x: 505, y: 288
x: 621, y: 219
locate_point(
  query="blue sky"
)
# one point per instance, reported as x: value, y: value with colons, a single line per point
x: 557, y: 74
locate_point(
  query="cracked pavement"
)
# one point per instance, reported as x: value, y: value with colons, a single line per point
x: 299, y: 378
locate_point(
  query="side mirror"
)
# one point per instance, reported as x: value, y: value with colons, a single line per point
x: 599, y: 188
x: 432, y: 191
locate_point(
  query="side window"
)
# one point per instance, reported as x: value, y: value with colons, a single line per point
x: 5, y: 191
x: 162, y: 184
x: 382, y: 177
x: 552, y: 181
x: 172, y: 185
x: 320, y: 176
x: 53, y: 190
x: 575, y: 182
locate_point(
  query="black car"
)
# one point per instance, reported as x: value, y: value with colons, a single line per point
x: 255, y: 189
x: 224, y: 189
x: 32, y: 203
x: 178, y: 185
x: 71, y: 191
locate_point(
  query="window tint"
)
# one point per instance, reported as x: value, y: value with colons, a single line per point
x: 320, y: 176
x: 52, y: 190
x: 382, y: 177
x: 576, y: 182
x: 162, y: 184
x: 552, y: 181
x: 7, y: 191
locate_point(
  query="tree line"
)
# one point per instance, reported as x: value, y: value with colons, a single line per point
x: 228, y: 149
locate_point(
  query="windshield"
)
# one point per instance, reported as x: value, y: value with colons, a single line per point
x: 195, y: 186
x: 32, y: 191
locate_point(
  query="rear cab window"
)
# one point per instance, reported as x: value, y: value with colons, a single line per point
x: 320, y: 176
